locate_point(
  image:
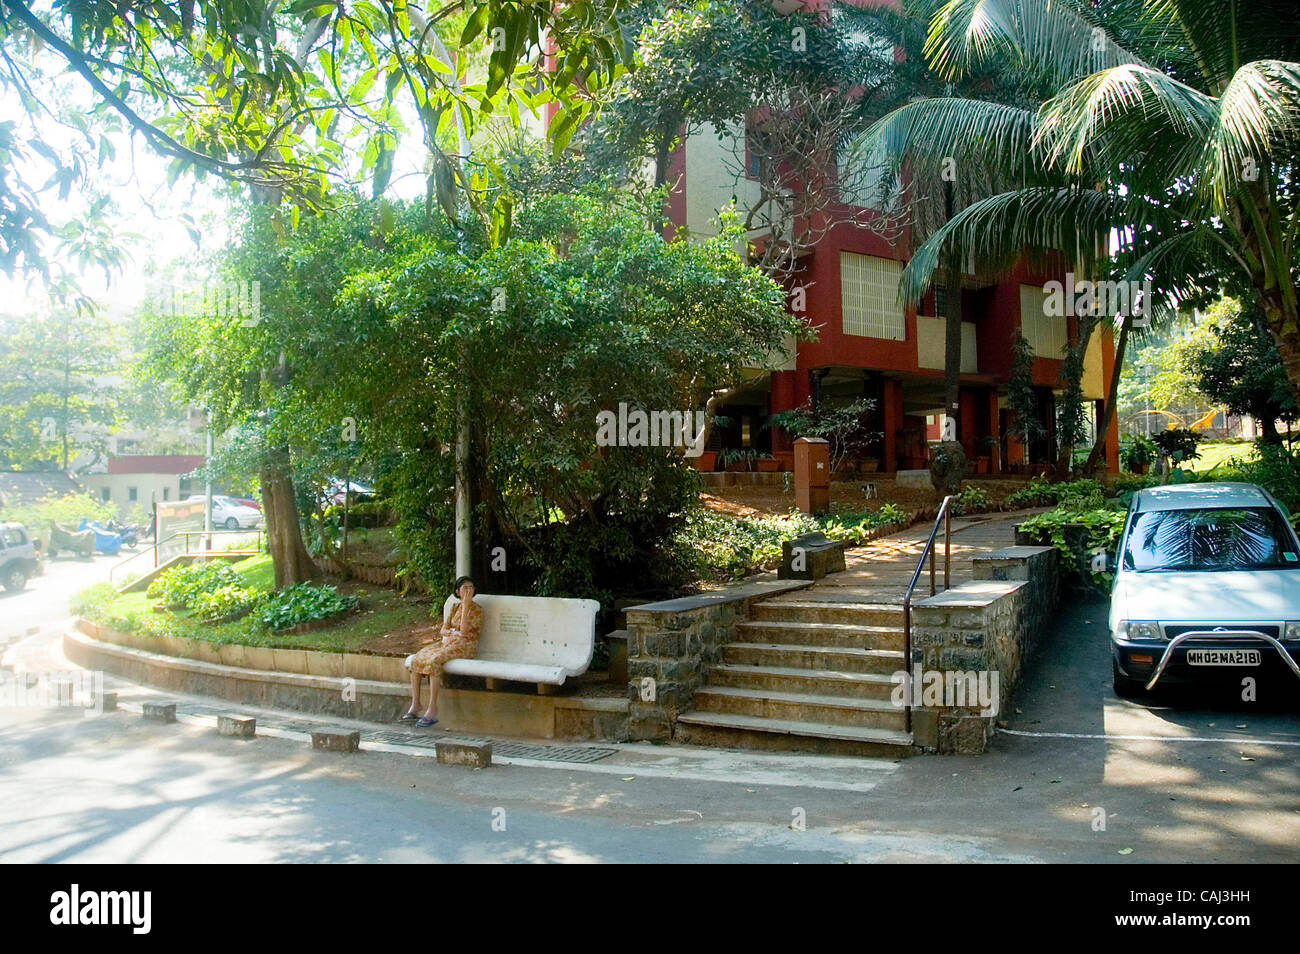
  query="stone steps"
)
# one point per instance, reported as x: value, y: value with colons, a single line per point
x: 729, y: 730
x: 857, y: 685
x: 789, y: 655
x: 801, y: 707
x: 822, y: 611
x: 813, y: 633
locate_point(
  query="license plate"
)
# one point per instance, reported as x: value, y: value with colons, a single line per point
x: 1223, y: 657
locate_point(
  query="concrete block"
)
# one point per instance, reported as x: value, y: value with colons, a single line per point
x: 237, y: 727
x: 473, y: 754
x: 106, y: 702
x: 159, y: 711
x: 336, y: 740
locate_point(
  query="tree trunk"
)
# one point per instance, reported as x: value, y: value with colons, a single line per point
x: 289, y: 554
x: 1269, y: 427
x: 1284, y: 324
x: 1112, y: 396
x: 1073, y: 369
x: 952, y: 346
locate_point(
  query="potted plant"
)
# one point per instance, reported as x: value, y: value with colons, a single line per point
x: 737, y: 458
x: 1138, y: 453
x: 707, y: 460
x: 870, y: 465
x: 766, y: 464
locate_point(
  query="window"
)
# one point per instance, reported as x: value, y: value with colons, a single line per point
x: 13, y: 537
x: 104, y: 494
x: 167, y: 493
x: 1216, y: 539
x: 869, y: 297
x: 131, y: 494
x: 1045, y: 333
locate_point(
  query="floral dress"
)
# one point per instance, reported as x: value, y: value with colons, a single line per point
x: 458, y: 640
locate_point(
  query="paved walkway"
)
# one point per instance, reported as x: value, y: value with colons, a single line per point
x: 880, y: 571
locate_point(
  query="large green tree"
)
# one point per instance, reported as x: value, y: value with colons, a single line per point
x: 58, y: 398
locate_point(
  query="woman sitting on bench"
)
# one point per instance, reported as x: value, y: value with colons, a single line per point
x: 458, y: 639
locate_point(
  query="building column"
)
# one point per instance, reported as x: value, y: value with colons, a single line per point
x: 782, y: 398
x: 995, y: 431
x: 892, y: 421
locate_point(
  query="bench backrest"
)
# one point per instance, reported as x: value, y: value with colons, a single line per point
x: 535, y: 629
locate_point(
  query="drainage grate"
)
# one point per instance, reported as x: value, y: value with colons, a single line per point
x: 550, y: 753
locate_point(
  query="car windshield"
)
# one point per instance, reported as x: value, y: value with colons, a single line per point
x: 1210, y: 539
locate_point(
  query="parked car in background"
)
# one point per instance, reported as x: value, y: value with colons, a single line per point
x: 230, y: 514
x: 1206, y: 588
x: 18, y: 561
x: 339, y: 488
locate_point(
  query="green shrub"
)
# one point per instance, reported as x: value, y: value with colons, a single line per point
x: 303, y: 603
x: 1136, y: 450
x: 718, y: 547
x: 92, y: 601
x: 178, y: 587
x: 971, y: 499
x: 1043, y: 493
x: 1099, y: 528
x: 224, y: 603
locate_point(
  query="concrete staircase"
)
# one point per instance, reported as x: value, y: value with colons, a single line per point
x: 807, y: 675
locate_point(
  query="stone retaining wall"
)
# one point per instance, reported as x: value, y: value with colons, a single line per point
x: 670, y: 644
x: 353, y: 685
x: 989, y: 625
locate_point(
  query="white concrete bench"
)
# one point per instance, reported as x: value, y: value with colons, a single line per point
x: 529, y: 639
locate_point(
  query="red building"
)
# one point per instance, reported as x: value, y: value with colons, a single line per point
x: 869, y: 346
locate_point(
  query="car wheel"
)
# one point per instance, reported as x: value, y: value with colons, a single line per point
x: 1125, y: 687
x: 232, y: 523
x: 15, y: 578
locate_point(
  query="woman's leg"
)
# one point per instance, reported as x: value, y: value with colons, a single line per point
x: 415, y: 690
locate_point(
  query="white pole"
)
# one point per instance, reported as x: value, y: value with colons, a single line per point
x: 207, y: 487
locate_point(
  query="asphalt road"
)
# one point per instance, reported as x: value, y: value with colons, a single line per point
x: 44, y: 602
x: 117, y: 788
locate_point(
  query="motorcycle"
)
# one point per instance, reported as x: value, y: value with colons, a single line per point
x: 129, y: 532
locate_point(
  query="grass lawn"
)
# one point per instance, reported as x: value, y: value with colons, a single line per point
x: 1214, y: 453
x: 382, y: 611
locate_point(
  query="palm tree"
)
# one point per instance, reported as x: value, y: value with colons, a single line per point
x: 1166, y: 151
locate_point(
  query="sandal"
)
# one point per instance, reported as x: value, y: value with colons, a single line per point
x: 409, y: 717
x: 425, y: 723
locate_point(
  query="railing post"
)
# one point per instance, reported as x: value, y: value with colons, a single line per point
x: 947, y: 541
x: 931, y: 549
x: 907, y: 663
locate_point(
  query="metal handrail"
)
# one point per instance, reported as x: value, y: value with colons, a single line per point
x: 945, y: 515
x: 154, y: 548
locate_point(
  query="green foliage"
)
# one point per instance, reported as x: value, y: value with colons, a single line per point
x: 66, y: 511
x: 1136, y: 450
x: 1239, y: 367
x: 1275, y: 468
x: 303, y: 603
x: 91, y: 600
x: 721, y: 548
x: 224, y: 603
x: 53, y: 389
x: 1178, y: 443
x: 971, y: 499
x: 1021, y: 398
x: 1041, y: 492
x: 846, y: 428
x: 179, y: 586
x: 1079, y: 529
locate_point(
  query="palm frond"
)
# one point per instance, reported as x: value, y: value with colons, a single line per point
x: 1066, y: 38
x: 1001, y: 231
x: 1126, y: 111
x: 1259, y: 110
